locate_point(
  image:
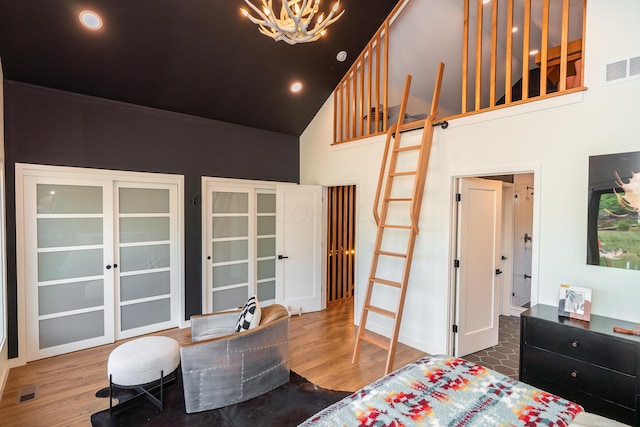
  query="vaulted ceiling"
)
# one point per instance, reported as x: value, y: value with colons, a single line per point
x: 197, y: 57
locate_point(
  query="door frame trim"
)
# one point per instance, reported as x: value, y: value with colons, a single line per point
x: 454, y: 176
x: 27, y: 169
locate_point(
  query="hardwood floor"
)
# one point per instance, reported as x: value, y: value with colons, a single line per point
x: 321, y: 345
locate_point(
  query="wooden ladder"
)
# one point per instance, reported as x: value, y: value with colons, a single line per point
x: 397, y: 230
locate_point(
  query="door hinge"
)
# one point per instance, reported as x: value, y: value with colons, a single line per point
x: 456, y: 263
x: 458, y: 197
x: 455, y: 329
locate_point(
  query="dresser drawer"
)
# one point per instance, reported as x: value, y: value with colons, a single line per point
x: 583, y: 345
x: 578, y: 375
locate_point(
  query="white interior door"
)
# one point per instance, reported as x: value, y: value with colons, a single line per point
x: 477, y: 284
x: 299, y: 246
x: 230, y: 248
x: 69, y: 274
x: 266, y: 245
x: 147, y: 258
x: 239, y: 242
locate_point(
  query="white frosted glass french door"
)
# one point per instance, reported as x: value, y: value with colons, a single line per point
x: 69, y: 272
x: 101, y: 260
x: 265, y: 245
x: 148, y: 255
x: 228, y: 255
x: 240, y: 227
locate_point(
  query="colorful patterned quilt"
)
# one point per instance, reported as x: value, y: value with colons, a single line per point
x: 447, y: 391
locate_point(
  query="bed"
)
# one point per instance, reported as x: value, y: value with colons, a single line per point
x: 449, y: 391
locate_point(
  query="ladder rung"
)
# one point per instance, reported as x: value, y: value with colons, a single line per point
x: 402, y: 227
x: 399, y: 199
x: 395, y: 254
x: 412, y: 125
x: 409, y: 148
x: 406, y: 173
x: 387, y: 282
x: 381, y: 311
x: 375, y: 340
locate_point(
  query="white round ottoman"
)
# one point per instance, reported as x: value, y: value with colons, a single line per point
x: 143, y: 361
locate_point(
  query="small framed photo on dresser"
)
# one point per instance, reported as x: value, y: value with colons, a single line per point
x: 574, y: 302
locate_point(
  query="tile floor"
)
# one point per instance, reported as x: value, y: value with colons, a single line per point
x: 503, y: 357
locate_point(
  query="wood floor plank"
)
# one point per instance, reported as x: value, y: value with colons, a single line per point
x: 320, y: 350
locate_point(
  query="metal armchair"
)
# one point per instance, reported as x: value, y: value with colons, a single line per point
x: 221, y: 368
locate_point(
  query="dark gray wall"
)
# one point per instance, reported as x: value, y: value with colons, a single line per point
x: 45, y: 126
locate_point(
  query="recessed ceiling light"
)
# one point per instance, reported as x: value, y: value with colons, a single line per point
x: 296, y: 87
x: 341, y: 56
x: 485, y: 1
x: 90, y: 20
x: 533, y: 52
x: 514, y: 30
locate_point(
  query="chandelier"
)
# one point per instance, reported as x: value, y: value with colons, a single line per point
x: 295, y: 22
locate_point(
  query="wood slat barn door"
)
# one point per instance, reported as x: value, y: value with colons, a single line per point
x: 341, y: 242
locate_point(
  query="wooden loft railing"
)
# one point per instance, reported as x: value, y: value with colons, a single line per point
x: 360, y: 100
x: 560, y: 65
x: 492, y: 59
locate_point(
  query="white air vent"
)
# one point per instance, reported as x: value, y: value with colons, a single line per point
x: 621, y: 71
x: 634, y: 67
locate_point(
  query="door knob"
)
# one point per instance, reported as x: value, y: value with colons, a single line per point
x: 498, y: 271
x: 282, y: 257
x: 109, y: 267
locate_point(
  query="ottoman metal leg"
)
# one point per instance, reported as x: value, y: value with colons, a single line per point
x: 145, y: 390
x: 135, y: 365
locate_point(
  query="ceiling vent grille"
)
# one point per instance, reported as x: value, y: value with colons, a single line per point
x: 621, y: 71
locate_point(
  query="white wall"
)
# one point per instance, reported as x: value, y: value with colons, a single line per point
x: 555, y: 142
x: 4, y: 365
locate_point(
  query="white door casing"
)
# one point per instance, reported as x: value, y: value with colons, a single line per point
x: 299, y: 247
x: 478, y: 251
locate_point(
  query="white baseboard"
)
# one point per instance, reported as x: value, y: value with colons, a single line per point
x: 404, y: 339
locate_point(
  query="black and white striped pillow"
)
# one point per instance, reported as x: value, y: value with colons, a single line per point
x: 249, y: 316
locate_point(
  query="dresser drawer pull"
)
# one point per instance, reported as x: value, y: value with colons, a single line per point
x: 574, y: 344
x: 574, y: 374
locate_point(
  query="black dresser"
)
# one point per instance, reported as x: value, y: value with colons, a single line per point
x: 585, y: 362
